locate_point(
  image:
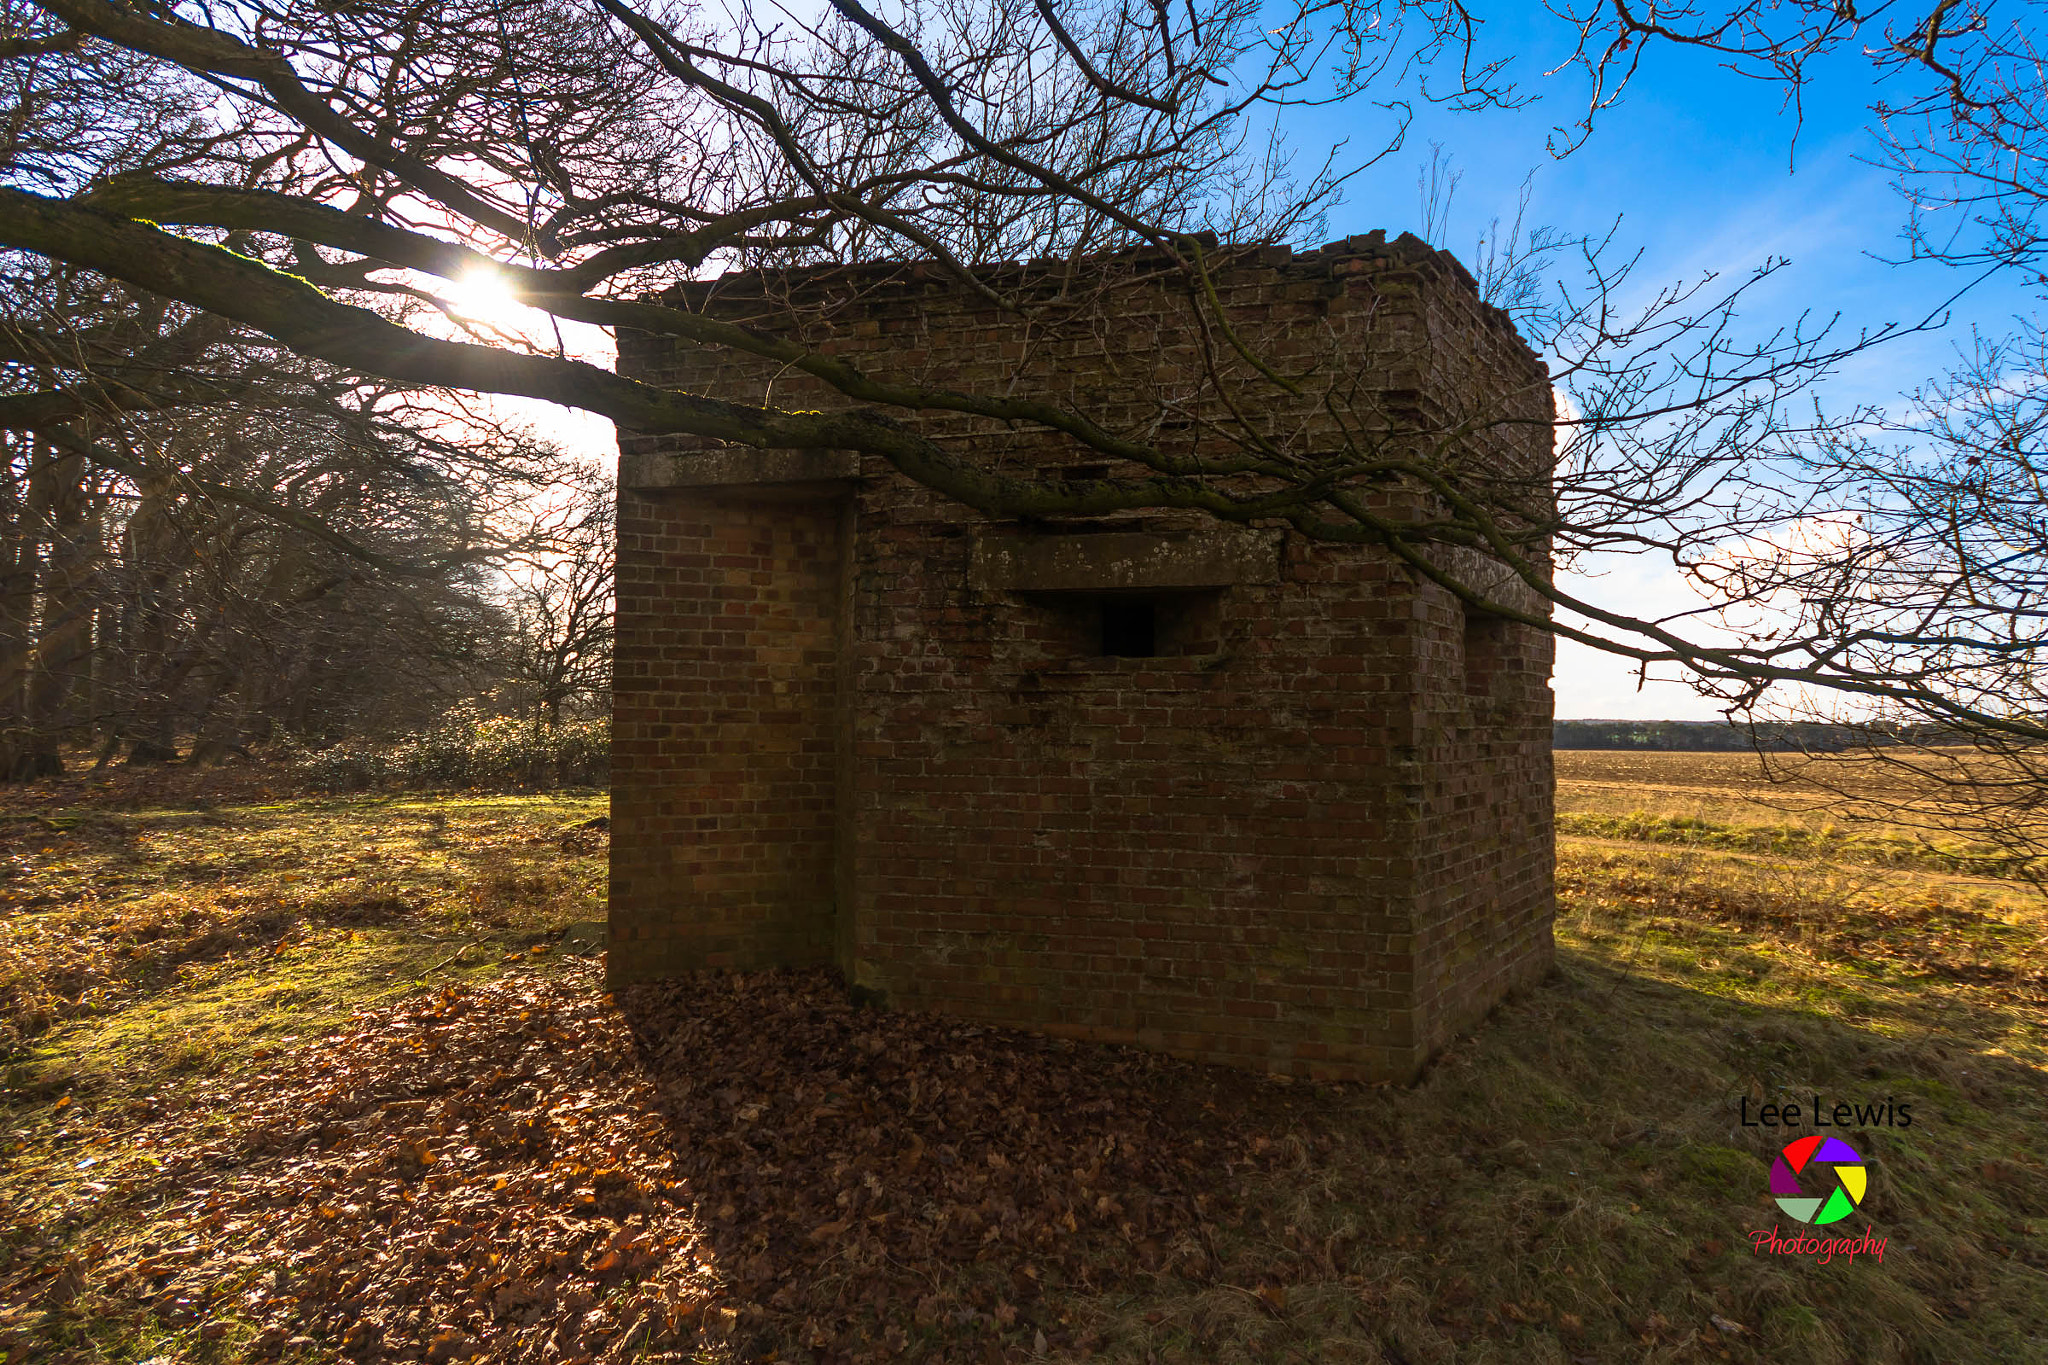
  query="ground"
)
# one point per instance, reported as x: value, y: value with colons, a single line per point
x: 305, y: 1079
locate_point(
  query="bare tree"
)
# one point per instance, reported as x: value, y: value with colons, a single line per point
x: 206, y: 537
x: 344, y: 160
x: 557, y: 592
x: 1916, y: 549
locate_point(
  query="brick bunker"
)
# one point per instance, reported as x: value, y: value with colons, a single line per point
x: 1229, y: 792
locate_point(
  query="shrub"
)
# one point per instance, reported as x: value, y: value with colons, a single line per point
x: 348, y: 766
x: 466, y: 751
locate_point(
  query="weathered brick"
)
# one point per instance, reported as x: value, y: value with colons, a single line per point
x: 1312, y: 834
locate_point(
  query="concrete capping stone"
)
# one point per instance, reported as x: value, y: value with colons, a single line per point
x: 1488, y: 577
x: 740, y: 467
x: 1123, y: 561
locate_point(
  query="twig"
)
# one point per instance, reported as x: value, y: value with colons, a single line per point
x: 46, y: 821
x: 1260, y: 1299
x: 1628, y: 968
x: 450, y: 958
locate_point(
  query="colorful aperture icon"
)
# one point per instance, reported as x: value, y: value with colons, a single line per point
x: 1818, y: 1179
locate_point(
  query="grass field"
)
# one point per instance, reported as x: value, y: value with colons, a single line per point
x: 306, y: 1079
x: 1838, y: 808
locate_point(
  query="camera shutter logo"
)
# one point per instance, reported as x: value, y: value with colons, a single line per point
x: 1819, y: 1180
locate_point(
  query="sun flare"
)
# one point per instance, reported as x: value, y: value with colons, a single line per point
x: 482, y: 296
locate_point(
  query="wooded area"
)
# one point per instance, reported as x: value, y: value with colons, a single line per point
x: 1709, y: 736
x: 210, y: 543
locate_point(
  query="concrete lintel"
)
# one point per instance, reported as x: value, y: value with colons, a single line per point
x: 1124, y: 561
x: 735, y: 468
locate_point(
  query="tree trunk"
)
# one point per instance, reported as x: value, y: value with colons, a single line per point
x: 149, y: 753
x: 63, y: 643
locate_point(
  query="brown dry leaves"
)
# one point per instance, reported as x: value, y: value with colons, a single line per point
x: 849, y: 1163
x: 510, y: 1173
x: 475, y: 1174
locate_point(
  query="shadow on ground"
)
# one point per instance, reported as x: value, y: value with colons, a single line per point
x: 1574, y: 1183
x: 746, y: 1167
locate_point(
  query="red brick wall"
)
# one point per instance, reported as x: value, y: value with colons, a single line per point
x: 1192, y: 851
x: 1305, y: 837
x: 1485, y: 897
x: 1486, y: 855
x: 725, y: 732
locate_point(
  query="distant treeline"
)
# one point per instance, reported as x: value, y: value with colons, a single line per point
x: 1705, y: 735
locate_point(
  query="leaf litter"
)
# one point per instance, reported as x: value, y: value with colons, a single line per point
x: 731, y: 1167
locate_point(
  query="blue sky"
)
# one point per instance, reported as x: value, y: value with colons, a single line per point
x: 1702, y: 167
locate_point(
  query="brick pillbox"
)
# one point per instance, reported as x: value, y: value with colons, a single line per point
x: 1228, y: 792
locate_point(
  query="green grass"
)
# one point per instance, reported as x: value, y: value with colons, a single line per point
x: 1825, y: 842
x: 1570, y: 1183
x: 112, y: 906
x: 1575, y: 1183
x: 160, y: 946
x: 153, y: 954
